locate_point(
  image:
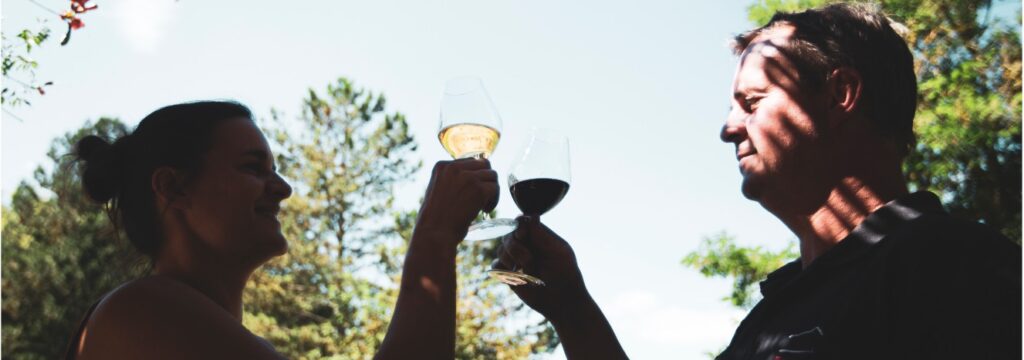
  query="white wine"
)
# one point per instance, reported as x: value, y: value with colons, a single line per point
x: 469, y: 140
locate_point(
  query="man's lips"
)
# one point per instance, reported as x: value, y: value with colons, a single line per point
x: 741, y: 155
x: 743, y: 150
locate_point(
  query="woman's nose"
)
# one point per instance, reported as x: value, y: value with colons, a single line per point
x: 280, y: 187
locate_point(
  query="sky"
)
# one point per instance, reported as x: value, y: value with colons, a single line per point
x: 641, y: 89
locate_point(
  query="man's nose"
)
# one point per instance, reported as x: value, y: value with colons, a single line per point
x: 735, y: 128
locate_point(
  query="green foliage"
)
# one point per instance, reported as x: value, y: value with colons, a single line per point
x: 59, y: 255
x: 761, y: 11
x: 969, y: 109
x: 331, y: 296
x: 719, y: 256
x: 968, y: 122
x: 17, y: 63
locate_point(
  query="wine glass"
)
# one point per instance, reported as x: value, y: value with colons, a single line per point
x: 538, y: 181
x: 470, y: 128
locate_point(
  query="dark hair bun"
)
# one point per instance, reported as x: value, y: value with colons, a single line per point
x: 99, y: 167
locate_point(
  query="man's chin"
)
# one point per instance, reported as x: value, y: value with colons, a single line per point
x: 751, y: 188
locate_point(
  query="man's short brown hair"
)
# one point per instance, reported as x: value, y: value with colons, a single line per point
x: 861, y: 37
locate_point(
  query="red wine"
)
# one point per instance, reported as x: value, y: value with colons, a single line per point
x: 537, y: 196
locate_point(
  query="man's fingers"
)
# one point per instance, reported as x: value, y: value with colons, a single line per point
x: 501, y: 265
x: 535, y: 235
x: 513, y: 250
x: 522, y: 232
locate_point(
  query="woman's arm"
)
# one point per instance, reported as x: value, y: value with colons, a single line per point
x: 423, y: 325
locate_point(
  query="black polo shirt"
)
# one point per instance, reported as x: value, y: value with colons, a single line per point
x: 910, y: 282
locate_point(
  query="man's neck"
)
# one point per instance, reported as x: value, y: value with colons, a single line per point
x: 848, y: 203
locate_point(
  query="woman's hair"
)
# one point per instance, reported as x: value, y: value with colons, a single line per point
x: 119, y: 174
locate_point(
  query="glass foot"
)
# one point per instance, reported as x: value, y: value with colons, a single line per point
x: 515, y: 278
x: 490, y: 229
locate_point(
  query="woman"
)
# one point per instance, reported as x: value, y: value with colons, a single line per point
x: 195, y: 189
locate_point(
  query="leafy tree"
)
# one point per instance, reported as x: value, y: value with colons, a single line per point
x: 968, y: 124
x: 331, y: 296
x: 969, y: 113
x: 59, y: 255
x: 719, y: 256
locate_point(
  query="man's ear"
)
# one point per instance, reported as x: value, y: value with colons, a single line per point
x: 169, y: 187
x: 843, y: 88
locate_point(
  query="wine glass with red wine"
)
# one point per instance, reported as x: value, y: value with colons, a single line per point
x: 538, y: 181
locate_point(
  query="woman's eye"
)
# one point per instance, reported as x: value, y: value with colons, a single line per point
x: 254, y: 168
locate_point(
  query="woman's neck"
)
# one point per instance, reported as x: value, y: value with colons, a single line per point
x: 219, y: 279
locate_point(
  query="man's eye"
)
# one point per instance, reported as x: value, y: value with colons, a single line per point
x: 750, y: 103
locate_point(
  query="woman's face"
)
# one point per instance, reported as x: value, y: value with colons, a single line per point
x: 234, y: 200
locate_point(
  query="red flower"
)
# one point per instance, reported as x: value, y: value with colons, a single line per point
x: 78, y: 6
x: 73, y: 21
x: 71, y: 17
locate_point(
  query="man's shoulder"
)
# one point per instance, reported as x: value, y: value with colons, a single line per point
x: 941, y: 248
x: 947, y: 283
x: 942, y: 233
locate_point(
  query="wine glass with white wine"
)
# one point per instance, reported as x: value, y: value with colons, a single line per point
x: 470, y: 128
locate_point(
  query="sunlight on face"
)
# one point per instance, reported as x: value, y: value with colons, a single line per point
x: 772, y: 122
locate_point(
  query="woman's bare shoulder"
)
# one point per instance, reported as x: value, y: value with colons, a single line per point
x: 147, y: 294
x: 158, y: 317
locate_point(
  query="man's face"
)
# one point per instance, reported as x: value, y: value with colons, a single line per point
x: 774, y: 123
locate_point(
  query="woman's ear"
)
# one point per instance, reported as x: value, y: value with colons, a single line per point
x: 169, y: 187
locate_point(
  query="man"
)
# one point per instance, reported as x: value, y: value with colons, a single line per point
x: 823, y: 106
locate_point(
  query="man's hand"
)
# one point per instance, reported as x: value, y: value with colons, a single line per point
x: 564, y: 300
x: 457, y: 192
x: 540, y: 252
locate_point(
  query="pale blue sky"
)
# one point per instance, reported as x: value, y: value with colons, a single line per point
x: 640, y: 87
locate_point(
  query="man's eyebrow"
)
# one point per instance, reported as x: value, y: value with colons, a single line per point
x: 743, y: 93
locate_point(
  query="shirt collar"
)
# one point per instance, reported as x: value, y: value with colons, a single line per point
x: 873, y: 229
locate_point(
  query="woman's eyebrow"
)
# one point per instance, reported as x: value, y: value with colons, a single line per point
x: 262, y: 155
